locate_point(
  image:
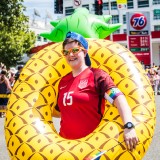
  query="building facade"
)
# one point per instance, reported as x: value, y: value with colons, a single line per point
x: 119, y: 16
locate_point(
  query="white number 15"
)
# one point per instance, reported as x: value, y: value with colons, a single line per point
x: 67, y: 96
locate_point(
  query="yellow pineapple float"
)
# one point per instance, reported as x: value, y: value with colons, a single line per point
x: 29, y: 130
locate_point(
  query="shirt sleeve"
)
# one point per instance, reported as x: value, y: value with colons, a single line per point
x: 103, y: 81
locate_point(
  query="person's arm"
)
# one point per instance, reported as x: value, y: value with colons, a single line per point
x: 123, y: 109
x: 116, y: 97
x: 130, y: 136
x: 7, y: 83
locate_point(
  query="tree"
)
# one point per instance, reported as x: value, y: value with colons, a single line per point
x: 15, y: 36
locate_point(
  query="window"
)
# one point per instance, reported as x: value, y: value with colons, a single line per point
x: 116, y: 32
x: 124, y: 19
x: 156, y: 17
x: 115, y: 19
x: 143, y: 3
x: 113, y: 5
x: 69, y: 11
x: 156, y: 2
x: 45, y: 39
x: 156, y: 14
x: 157, y: 28
x: 86, y: 6
x: 124, y: 30
x: 130, y: 4
x: 105, y: 6
x: 38, y: 37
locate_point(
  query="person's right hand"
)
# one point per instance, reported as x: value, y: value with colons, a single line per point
x: 130, y: 138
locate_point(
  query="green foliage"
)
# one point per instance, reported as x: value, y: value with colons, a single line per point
x: 15, y: 36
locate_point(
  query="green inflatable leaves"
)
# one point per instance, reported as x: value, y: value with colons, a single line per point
x: 82, y: 22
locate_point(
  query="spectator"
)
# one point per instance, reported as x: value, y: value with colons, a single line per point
x: 11, y: 76
x: 156, y: 79
x: 4, y: 89
x: 158, y: 70
x: 19, y: 71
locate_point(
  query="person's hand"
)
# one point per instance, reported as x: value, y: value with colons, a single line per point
x: 130, y: 138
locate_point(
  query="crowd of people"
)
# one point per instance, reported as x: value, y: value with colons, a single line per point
x: 8, y: 78
x: 153, y: 74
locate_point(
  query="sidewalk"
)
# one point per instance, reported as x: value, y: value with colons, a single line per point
x: 152, y: 154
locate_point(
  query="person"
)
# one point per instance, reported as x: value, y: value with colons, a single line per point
x: 82, y: 94
x: 20, y: 67
x: 11, y: 76
x: 156, y: 81
x: 4, y: 89
x: 158, y: 70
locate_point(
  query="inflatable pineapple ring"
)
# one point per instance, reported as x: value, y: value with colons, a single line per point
x: 29, y: 130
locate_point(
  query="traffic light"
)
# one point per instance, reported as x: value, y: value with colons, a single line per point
x: 58, y: 6
x: 98, y: 7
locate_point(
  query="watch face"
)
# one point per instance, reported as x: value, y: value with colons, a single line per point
x: 129, y: 125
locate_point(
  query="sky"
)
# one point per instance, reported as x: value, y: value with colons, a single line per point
x: 42, y: 6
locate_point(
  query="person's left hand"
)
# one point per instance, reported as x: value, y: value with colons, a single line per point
x: 130, y: 138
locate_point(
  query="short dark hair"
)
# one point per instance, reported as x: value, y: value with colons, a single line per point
x: 70, y: 40
x: 4, y: 72
x: 20, y: 67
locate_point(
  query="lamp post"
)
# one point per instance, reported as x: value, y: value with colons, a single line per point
x: 110, y: 22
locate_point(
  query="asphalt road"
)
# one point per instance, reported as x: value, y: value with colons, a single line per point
x: 153, y: 152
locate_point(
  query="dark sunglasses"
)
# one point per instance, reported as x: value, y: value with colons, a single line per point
x: 74, y: 50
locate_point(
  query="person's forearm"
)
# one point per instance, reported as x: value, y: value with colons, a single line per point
x: 123, y: 108
x: 8, y: 84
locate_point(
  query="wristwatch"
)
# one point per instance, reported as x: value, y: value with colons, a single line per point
x: 129, y: 125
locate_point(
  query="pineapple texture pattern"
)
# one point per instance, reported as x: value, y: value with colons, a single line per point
x: 30, y: 132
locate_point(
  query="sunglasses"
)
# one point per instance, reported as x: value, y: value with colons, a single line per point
x: 75, y: 50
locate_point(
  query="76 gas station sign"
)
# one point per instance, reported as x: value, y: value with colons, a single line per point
x: 138, y: 21
x: 138, y: 31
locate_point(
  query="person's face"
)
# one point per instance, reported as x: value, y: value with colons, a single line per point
x: 75, y: 56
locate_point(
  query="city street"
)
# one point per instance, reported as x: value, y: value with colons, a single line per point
x: 152, y: 154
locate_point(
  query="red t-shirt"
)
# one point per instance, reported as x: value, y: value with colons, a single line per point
x: 81, y: 102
